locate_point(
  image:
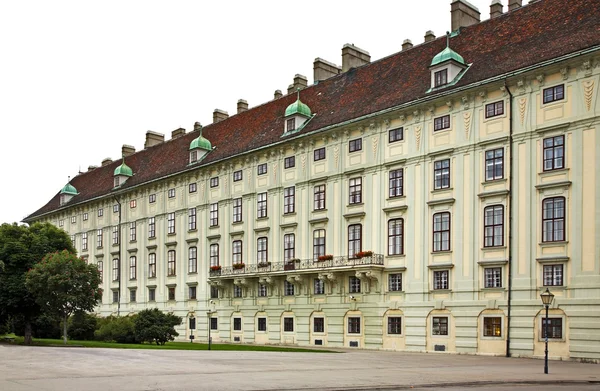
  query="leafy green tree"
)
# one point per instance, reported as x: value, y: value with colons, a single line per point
x: 63, y: 283
x: 21, y: 247
x: 116, y: 328
x: 82, y: 326
x: 156, y: 326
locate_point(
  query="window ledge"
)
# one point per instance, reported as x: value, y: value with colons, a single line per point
x: 441, y: 252
x: 551, y: 244
x: 237, y: 222
x: 262, y: 218
x: 500, y: 289
x: 489, y: 182
x: 493, y: 248
x: 449, y: 189
x: 564, y: 170
x: 290, y: 214
x: 192, y: 230
x: 440, y: 291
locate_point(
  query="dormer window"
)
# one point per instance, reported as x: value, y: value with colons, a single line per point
x: 200, y: 146
x: 122, y: 173
x: 67, y: 193
x: 291, y: 124
x: 441, y: 78
x: 447, y: 68
x: 296, y: 116
x: 193, y: 156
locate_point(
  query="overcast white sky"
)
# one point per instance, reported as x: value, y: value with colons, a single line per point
x: 78, y: 79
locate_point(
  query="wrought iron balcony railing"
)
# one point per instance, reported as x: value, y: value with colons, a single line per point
x: 303, y: 264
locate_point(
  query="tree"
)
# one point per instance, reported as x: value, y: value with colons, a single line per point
x: 82, y: 326
x: 156, y: 326
x: 63, y: 283
x: 21, y: 247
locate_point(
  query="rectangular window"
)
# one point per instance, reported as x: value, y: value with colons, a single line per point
x: 132, y: 295
x: 319, y: 287
x: 100, y: 212
x: 353, y: 325
x: 192, y: 292
x: 115, y: 269
x: 132, y: 268
x: 214, y: 292
x: 151, y: 265
x: 115, y: 208
x: 152, y: 198
x: 394, y: 325
x: 171, y: 193
x: 553, y: 275
x: 261, y: 250
x: 151, y: 227
x: 494, y: 164
x: 261, y: 169
x: 214, y: 254
x: 439, y: 325
x: 214, y: 323
x: 288, y: 325
x: 132, y: 231
x: 440, y: 279
x: 289, y: 200
x: 214, y: 214
x: 171, y: 223
x: 492, y: 326
x: 171, y: 293
x: 441, y: 174
x: 214, y: 181
x: 192, y: 187
x: 236, y: 251
x: 554, y: 328
x: 289, y: 247
x: 494, y: 109
x: 441, y: 123
x: 192, y: 260
x: 441, y: 231
x: 61, y: 223
x: 237, y: 210
x: 318, y: 243
x: 115, y: 296
x: 192, y: 219
x: 319, y: 197
x: 132, y: 204
x: 73, y: 220
x: 395, y: 282
x: 85, y: 216
x: 555, y: 93
x: 262, y: 290
x: 73, y: 240
x: 237, y: 291
x: 289, y: 162
x: 493, y: 277
x: 396, y: 183
x: 261, y: 205
x: 237, y: 175
x: 101, y: 269
x: 319, y: 154
x: 288, y: 288
x: 493, y: 226
x: 115, y: 235
x: 396, y: 135
x: 396, y: 237
x: 553, y: 219
x: 171, y: 263
x: 291, y: 124
x: 355, y: 145
x: 151, y: 294
x: 440, y: 78
x: 354, y: 240
x: 355, y: 191
x: 354, y: 285
x: 554, y: 153
x: 84, y: 243
x: 318, y: 325
x: 99, y: 237
x: 262, y: 324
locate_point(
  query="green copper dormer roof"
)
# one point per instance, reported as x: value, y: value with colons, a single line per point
x: 69, y: 189
x: 446, y: 55
x: 298, y: 108
x: 123, y: 169
x: 200, y: 142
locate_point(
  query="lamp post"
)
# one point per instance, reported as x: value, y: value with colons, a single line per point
x: 192, y: 327
x: 209, y: 313
x: 547, y: 298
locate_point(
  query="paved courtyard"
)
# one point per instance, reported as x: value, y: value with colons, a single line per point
x: 45, y: 368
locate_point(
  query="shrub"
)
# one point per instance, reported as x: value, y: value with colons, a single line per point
x: 116, y: 328
x: 82, y: 326
x: 156, y: 326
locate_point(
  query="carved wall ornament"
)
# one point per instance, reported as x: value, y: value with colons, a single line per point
x: 483, y: 95
x: 290, y: 279
x: 587, y: 67
x: 522, y: 107
x: 332, y: 277
x: 418, y: 136
x: 336, y: 155
x: 465, y: 101
x: 521, y: 85
x: 588, y: 92
x: 402, y: 118
x: 450, y: 104
x: 416, y: 115
x: 371, y: 275
x: 274, y: 165
x: 564, y: 72
x: 375, y: 140
x: 540, y: 78
x: 373, y: 126
x: 387, y: 122
x: 467, y: 122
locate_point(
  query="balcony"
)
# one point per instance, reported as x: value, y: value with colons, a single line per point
x: 304, y: 265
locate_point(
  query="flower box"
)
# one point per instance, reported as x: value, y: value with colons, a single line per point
x: 289, y: 266
x: 327, y: 257
x: 264, y: 264
x: 362, y: 254
x: 238, y: 266
x: 215, y: 268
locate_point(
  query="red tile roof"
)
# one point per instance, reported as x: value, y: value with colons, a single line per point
x: 532, y: 34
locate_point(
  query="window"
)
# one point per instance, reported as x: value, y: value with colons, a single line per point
x: 132, y: 231
x: 262, y: 290
x: 396, y: 135
x: 132, y: 204
x: 151, y: 265
x: 441, y: 231
x: 115, y: 235
x: 291, y: 124
x: 554, y: 328
x: 192, y: 187
x: 440, y: 78
x: 101, y: 269
x: 85, y: 216
x: 441, y: 174
x: 99, y: 237
x: 288, y: 325
x: 354, y: 286
x: 171, y: 293
x: 214, y: 292
x: 214, y: 254
x: 237, y: 175
x: 355, y: 191
x: 61, y: 223
x: 261, y: 205
x: 394, y: 325
x: 73, y: 220
x: 440, y: 279
x: 494, y: 164
x: 236, y: 251
x: 289, y: 200
x: 318, y: 243
x: 237, y: 210
x: 395, y: 282
x: 289, y: 162
x: 171, y: 193
x: 151, y: 227
x: 553, y: 219
x: 73, y: 240
x: 493, y: 277
x: 319, y: 197
x: 192, y: 260
x: 115, y: 269
x: 132, y: 295
x: 192, y: 219
x: 214, y: 215
x: 115, y: 296
x: 319, y: 325
x: 192, y: 323
x: 132, y: 268
x: 492, y: 326
x: 319, y: 154
x: 151, y: 294
x: 396, y: 237
x: 553, y: 94
x: 440, y: 123
x: 84, y: 243
x: 353, y: 325
x: 553, y: 275
x: 355, y: 145
x: 319, y: 287
x: 171, y: 263
x: 214, y: 323
x: 288, y: 288
x: 494, y: 109
x: 493, y: 226
x: 554, y: 153
x: 115, y: 208
x: 237, y: 291
x: 261, y: 250
x: 261, y: 169
x: 171, y: 223
x: 214, y: 181
x: 262, y: 324
x: 396, y: 182
x: 289, y: 247
x: 152, y: 198
x: 100, y: 212
x: 193, y: 156
x: 354, y: 239
x: 439, y: 325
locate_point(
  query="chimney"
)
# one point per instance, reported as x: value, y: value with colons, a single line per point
x: 106, y: 161
x: 127, y: 150
x: 278, y: 94
x: 514, y: 4
x: 153, y: 138
x: 407, y: 44
x: 495, y: 9
x: 92, y: 168
x: 242, y: 106
x: 219, y: 115
x: 429, y: 36
x: 463, y: 14
x: 300, y: 82
x: 353, y: 57
x: 177, y: 133
x: 323, y: 70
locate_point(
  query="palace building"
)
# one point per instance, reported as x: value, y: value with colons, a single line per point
x: 420, y: 202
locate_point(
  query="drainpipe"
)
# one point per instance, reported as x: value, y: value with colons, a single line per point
x: 119, y: 260
x: 510, y: 215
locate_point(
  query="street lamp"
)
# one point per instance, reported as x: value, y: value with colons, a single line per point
x: 209, y: 313
x: 192, y: 327
x: 547, y: 298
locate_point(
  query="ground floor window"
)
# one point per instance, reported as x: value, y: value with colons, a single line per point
x: 214, y: 323
x: 492, y: 326
x: 171, y: 293
x: 288, y: 325
x: 440, y: 325
x: 555, y: 328
x: 151, y: 294
x: 353, y: 325
x: 262, y: 324
x: 132, y: 295
x: 237, y: 324
x: 394, y: 325
x: 288, y: 288
x: 214, y: 292
x: 115, y: 296
x: 319, y: 325
x: 237, y: 291
x: 262, y: 290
